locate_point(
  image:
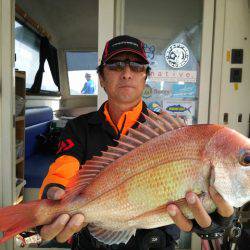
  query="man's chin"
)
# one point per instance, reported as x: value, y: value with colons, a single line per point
x: 126, y: 98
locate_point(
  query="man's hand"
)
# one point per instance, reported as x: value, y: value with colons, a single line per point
x: 64, y: 226
x: 199, y: 212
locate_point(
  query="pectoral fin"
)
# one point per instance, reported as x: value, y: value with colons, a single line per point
x: 110, y: 237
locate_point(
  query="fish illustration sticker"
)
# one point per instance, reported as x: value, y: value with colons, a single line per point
x: 186, y: 108
x: 177, y: 55
x: 178, y: 108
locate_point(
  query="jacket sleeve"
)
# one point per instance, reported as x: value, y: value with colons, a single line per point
x: 70, y: 154
x: 60, y: 172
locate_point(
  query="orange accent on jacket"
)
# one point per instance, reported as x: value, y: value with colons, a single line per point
x: 61, y: 171
x: 131, y: 118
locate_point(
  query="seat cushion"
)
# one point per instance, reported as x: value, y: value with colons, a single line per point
x: 36, y: 115
x: 36, y: 168
x: 31, y: 134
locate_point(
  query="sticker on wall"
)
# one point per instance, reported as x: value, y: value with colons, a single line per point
x: 157, y: 90
x: 150, y: 51
x: 186, y: 108
x: 184, y: 90
x: 173, y: 76
x: 165, y: 92
x: 147, y: 92
x: 155, y: 106
x: 177, y: 55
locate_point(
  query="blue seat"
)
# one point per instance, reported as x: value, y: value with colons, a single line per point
x: 37, y: 122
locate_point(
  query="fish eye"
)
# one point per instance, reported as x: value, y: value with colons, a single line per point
x: 245, y: 158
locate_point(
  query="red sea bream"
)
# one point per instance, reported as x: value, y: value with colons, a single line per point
x: 129, y: 186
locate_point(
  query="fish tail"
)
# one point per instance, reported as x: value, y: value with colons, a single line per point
x: 18, y: 218
x: 189, y: 109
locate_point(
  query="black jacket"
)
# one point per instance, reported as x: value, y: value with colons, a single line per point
x: 86, y: 136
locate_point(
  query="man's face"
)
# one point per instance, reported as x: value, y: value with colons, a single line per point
x: 124, y: 86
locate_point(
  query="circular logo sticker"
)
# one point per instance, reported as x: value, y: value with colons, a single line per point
x: 147, y: 92
x: 177, y: 55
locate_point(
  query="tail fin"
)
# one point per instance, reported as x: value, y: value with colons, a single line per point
x: 16, y: 219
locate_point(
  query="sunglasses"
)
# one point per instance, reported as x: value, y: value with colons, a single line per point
x: 120, y: 65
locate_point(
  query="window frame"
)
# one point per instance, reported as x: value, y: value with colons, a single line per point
x: 66, y: 67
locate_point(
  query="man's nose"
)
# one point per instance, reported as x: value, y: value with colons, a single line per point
x: 127, y: 72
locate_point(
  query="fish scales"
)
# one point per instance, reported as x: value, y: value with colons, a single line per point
x: 166, y: 151
x: 148, y: 190
x: 175, y: 145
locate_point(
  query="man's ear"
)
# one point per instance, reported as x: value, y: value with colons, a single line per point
x: 102, y: 80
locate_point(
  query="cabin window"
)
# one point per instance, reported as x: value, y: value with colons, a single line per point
x: 27, y: 46
x: 48, y: 82
x: 82, y: 75
x: 27, y: 58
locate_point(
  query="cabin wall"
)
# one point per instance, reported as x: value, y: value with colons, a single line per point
x: 231, y: 99
x: 7, y: 131
x: 164, y: 25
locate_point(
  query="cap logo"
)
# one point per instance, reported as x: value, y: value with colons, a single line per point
x: 125, y: 43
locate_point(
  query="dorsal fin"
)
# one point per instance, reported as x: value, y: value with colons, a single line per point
x: 123, y: 144
x: 148, y: 130
x: 111, y: 154
x: 131, y: 140
x: 94, y: 163
x: 154, y: 126
x: 117, y: 149
x: 160, y: 119
x: 174, y: 121
x: 138, y: 135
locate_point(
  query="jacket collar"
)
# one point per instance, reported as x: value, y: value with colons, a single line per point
x: 98, y: 117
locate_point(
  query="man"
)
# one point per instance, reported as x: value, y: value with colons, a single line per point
x: 89, y: 87
x: 122, y: 73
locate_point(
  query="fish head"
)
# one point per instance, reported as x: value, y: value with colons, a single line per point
x: 229, y: 155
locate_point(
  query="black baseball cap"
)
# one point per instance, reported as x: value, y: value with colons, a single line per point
x: 123, y: 43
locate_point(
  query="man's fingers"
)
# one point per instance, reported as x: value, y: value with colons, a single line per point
x: 179, y: 219
x: 75, y: 224
x: 48, y: 232
x: 55, y: 193
x: 223, y: 208
x: 199, y: 212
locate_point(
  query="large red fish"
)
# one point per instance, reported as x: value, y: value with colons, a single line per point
x: 129, y: 186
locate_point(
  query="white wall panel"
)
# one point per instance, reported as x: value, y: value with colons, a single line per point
x: 7, y: 142
x: 105, y: 32
x: 227, y: 97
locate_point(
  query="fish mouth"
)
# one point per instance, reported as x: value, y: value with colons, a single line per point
x: 245, y: 168
x: 212, y: 174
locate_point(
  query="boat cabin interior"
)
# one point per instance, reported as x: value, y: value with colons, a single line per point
x: 57, y: 48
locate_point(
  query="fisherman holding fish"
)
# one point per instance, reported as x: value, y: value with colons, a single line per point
x: 122, y: 73
x: 130, y: 172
